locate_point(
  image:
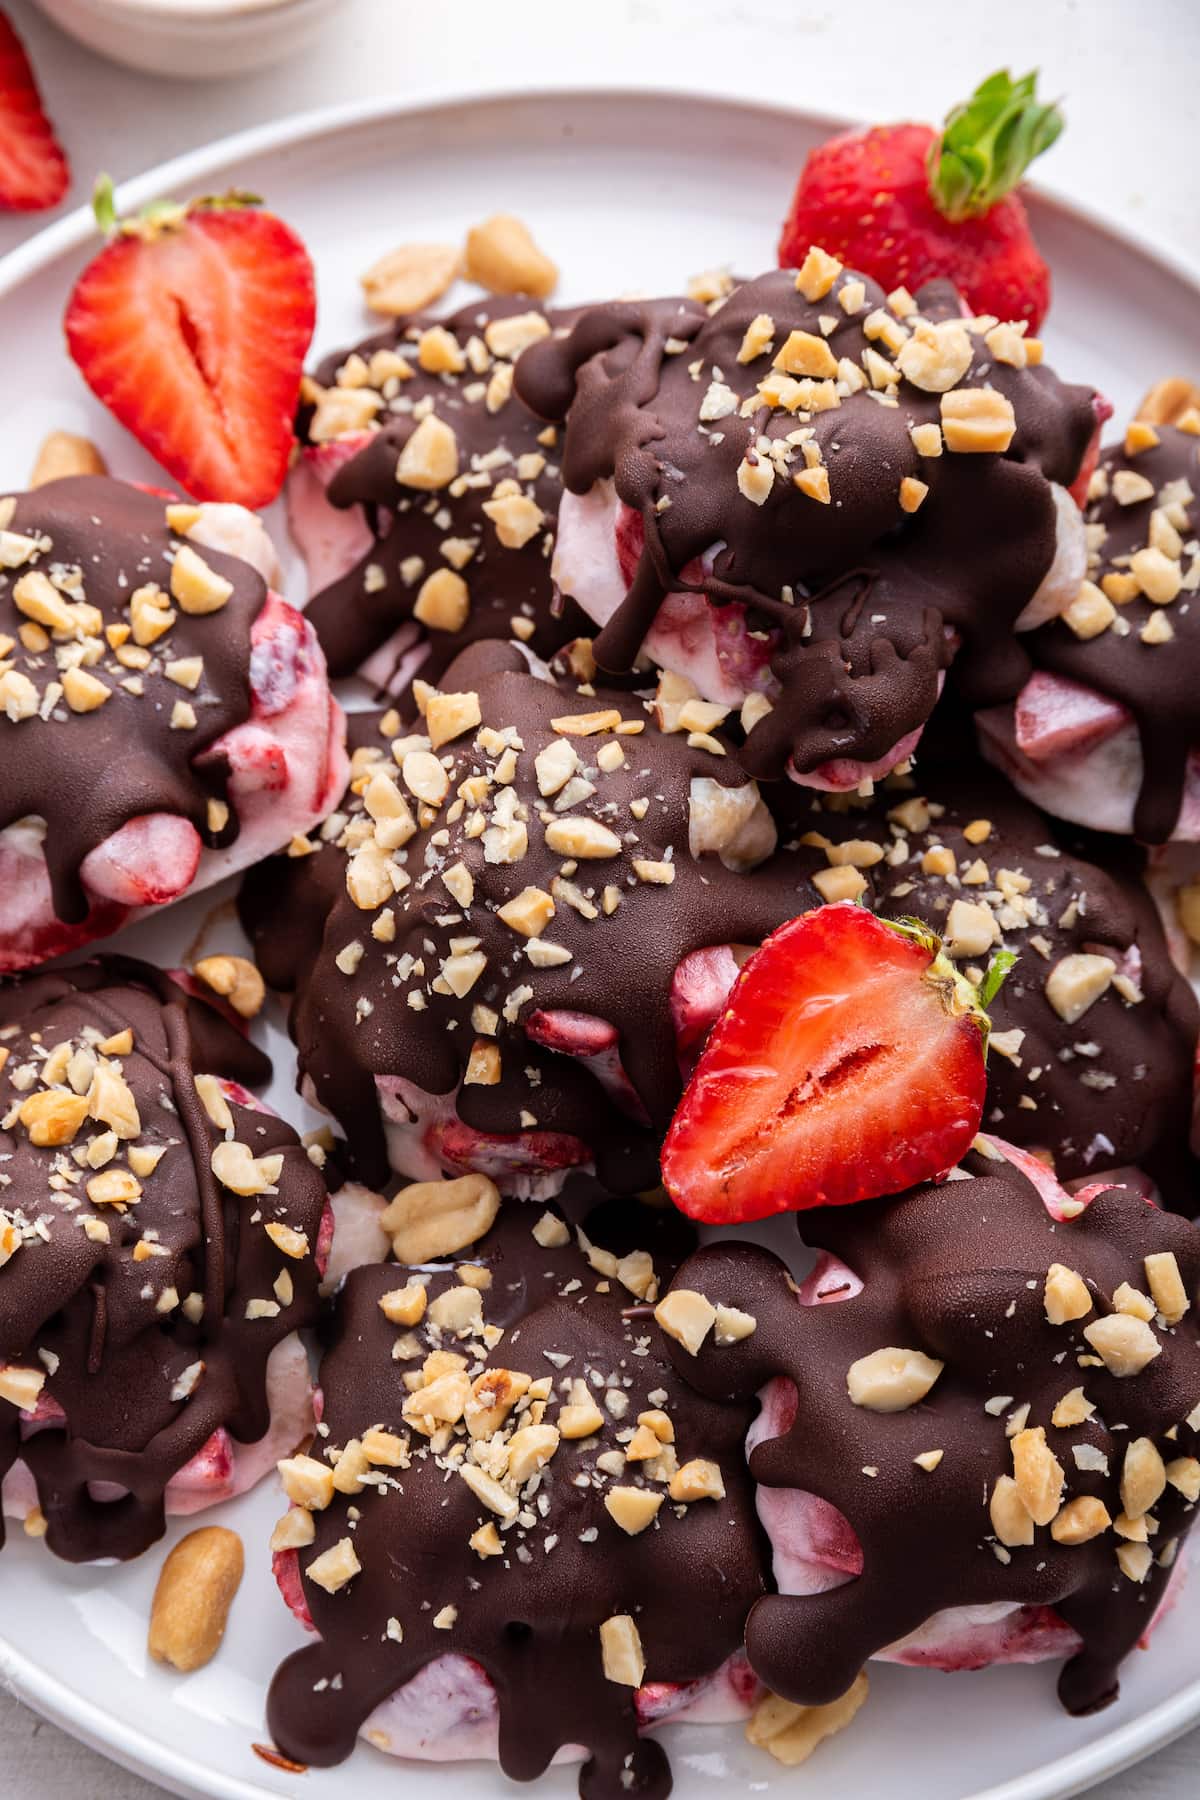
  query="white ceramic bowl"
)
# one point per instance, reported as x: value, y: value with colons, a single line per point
x: 192, y: 39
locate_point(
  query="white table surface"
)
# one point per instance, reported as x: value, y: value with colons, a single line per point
x: 1128, y: 73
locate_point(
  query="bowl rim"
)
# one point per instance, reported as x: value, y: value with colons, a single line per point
x: 191, y: 12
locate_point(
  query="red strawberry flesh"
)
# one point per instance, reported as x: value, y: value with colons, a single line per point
x: 33, y: 169
x: 195, y: 338
x: 847, y: 1065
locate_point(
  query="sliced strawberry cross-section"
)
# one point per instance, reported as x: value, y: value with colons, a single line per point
x: 192, y: 326
x: 848, y: 1064
x: 33, y: 168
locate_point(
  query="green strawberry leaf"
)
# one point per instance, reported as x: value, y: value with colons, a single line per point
x: 988, y: 143
x: 159, y: 216
x: 104, y: 204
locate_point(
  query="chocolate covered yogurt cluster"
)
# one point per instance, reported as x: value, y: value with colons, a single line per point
x: 162, y: 1236
x: 165, y: 717
x: 808, y: 497
x: 426, y: 495
x: 518, y: 1534
x: 978, y: 1428
x: 1105, y: 731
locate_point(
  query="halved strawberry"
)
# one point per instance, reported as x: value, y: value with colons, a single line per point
x: 192, y: 326
x: 848, y: 1064
x: 33, y: 168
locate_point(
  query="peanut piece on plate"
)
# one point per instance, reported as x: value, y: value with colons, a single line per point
x: 63, y: 453
x: 502, y: 257
x: 429, y: 1220
x: 235, y: 979
x: 194, y: 1594
x: 410, y: 278
x: 791, y: 1733
x: 1168, y: 400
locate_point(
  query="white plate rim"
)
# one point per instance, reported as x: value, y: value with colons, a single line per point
x: 74, y: 230
x: 1066, y: 1775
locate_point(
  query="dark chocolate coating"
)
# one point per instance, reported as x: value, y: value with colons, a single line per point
x: 530, y: 1617
x: 1115, y: 1087
x: 352, y: 620
x: 958, y: 1272
x: 88, y: 774
x: 863, y: 594
x: 350, y: 1028
x: 1158, y: 683
x: 86, y: 1310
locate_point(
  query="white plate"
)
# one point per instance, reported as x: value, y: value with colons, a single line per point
x: 629, y: 192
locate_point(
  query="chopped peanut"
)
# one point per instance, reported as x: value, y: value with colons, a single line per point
x: 621, y: 1651
x: 1143, y: 1478
x: 1038, y: 1474
x: 1124, y: 1344
x: 335, y: 1567
x: 686, y: 1316
x: 632, y: 1508
x: 1166, y: 1286
x: 1077, y: 982
x: 1011, y: 1520
x: 1080, y: 1521
x: 891, y: 1380
x: 1066, y: 1295
x: 977, y: 420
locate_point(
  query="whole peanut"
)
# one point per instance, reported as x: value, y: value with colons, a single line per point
x: 194, y: 1594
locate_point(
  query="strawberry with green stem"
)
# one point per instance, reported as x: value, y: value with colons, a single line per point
x: 906, y: 204
x: 849, y: 1063
x: 192, y: 325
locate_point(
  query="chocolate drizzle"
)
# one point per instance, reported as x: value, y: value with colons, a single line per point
x: 350, y: 1028
x: 1114, y: 1088
x: 957, y: 1272
x: 1157, y: 682
x: 530, y: 1616
x: 88, y: 774
x: 89, y: 1311
x: 856, y: 673
x: 359, y: 612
